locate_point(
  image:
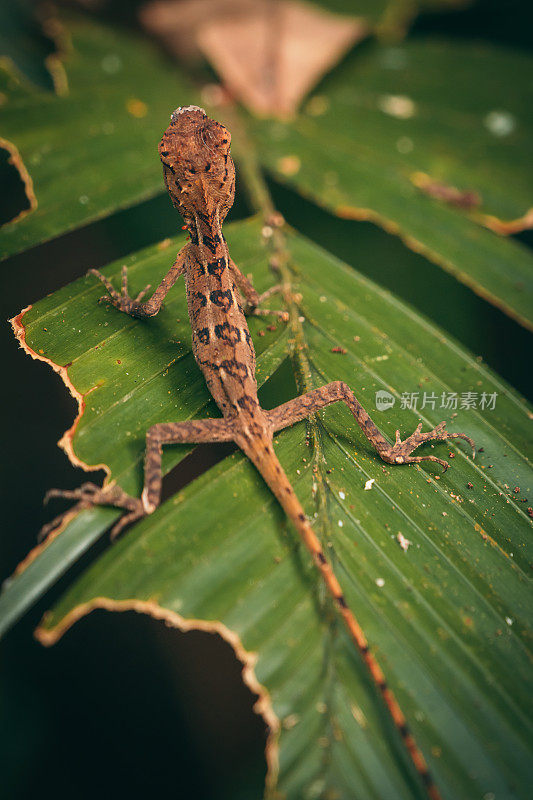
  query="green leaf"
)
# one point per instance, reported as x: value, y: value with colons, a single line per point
x: 94, y: 150
x: 392, y: 122
x: 448, y: 619
x: 98, y: 354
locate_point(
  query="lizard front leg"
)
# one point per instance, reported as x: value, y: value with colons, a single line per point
x: 253, y: 298
x: 133, y: 306
x: 89, y: 495
x: 398, y: 453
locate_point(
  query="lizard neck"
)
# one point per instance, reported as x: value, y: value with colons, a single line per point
x: 206, y: 235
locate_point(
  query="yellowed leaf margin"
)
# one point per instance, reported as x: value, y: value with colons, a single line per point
x: 15, y: 159
x: 66, y: 440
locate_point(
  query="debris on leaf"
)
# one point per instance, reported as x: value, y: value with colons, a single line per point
x: 290, y: 721
x: 358, y: 715
x: 396, y: 105
x: 368, y: 484
x: 136, y: 108
x: 403, y: 542
x: 500, y: 123
x: 289, y: 165
x: 448, y: 194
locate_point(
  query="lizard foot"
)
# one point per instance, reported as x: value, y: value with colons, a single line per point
x: 122, y: 299
x: 400, y: 452
x: 89, y: 495
x: 256, y: 311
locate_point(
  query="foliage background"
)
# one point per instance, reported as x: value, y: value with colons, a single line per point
x: 76, y: 724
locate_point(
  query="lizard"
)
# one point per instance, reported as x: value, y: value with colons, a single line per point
x: 199, y: 174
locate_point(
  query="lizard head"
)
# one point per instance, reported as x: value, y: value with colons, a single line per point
x: 197, y: 166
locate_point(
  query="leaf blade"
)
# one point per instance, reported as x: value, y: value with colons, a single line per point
x: 90, y: 152
x: 434, y: 620
x: 394, y: 121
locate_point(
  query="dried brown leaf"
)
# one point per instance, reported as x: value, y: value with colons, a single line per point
x: 177, y: 22
x: 268, y: 54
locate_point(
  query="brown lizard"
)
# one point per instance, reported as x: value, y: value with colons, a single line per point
x: 200, y: 177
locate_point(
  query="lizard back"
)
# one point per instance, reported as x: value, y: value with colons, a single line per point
x: 200, y: 177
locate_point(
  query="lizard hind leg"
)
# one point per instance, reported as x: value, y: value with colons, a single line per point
x: 253, y: 299
x: 398, y: 453
x: 89, y: 495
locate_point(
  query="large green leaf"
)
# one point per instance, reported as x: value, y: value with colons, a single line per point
x: 392, y: 121
x: 448, y: 618
x: 94, y: 150
x: 76, y: 332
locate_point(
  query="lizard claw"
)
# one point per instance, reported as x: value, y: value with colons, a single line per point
x: 82, y: 492
x: 267, y: 312
x: 400, y: 452
x: 143, y: 292
x: 89, y: 495
x: 122, y: 299
x: 257, y: 311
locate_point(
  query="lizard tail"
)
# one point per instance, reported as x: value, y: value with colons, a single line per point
x: 262, y: 454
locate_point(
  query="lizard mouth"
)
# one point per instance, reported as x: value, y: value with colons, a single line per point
x: 183, y: 109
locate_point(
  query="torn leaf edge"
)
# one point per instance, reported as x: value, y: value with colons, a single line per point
x: 66, y: 441
x: 263, y: 705
x: 59, y: 35
x: 16, y: 160
x: 53, y: 29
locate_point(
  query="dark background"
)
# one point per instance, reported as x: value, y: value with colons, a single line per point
x: 123, y: 706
